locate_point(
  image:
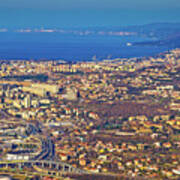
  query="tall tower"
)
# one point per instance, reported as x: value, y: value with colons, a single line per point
x: 27, y: 101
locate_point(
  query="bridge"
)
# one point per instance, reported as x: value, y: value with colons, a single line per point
x: 48, y: 166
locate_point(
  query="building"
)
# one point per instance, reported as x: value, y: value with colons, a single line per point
x: 27, y: 101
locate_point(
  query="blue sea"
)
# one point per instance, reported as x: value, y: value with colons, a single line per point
x: 71, y: 47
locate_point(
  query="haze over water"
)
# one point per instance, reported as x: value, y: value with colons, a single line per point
x: 80, y: 13
x: 71, y: 47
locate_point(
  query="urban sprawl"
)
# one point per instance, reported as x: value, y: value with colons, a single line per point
x: 109, y: 119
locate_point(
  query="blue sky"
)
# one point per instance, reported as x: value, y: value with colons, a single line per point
x: 77, y: 13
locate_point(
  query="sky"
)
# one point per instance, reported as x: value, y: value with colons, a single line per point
x: 83, y: 13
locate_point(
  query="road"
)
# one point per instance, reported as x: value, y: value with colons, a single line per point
x: 35, y: 128
x: 47, y: 150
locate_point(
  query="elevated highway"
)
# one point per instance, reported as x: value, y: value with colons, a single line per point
x: 49, y: 166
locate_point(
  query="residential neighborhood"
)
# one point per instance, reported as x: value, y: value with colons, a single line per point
x: 118, y: 117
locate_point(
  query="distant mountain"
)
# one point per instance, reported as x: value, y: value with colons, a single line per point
x: 157, y: 30
x: 162, y: 34
x: 169, y: 36
x: 161, y: 30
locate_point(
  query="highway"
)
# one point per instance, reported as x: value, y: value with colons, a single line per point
x: 47, y: 153
x: 52, y: 165
x: 47, y: 150
x: 35, y: 128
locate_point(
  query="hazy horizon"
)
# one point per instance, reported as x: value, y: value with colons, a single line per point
x: 86, y: 26
x: 79, y: 13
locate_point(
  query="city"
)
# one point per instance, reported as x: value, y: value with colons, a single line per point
x: 110, y: 119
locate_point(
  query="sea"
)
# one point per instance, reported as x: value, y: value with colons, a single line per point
x: 71, y: 47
